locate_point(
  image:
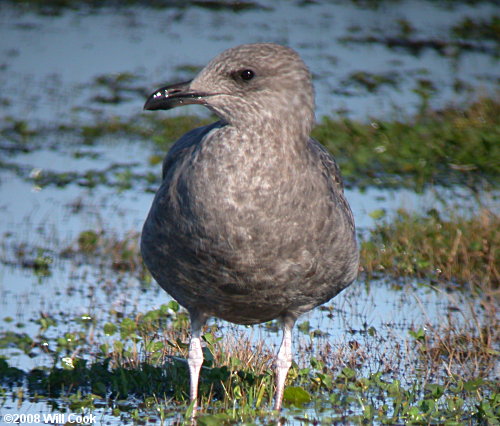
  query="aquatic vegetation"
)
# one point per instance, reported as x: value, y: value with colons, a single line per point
x: 168, y: 129
x: 54, y: 7
x: 16, y: 135
x: 118, y: 254
x: 417, y: 46
x: 139, y: 357
x: 447, y: 147
x: 485, y: 29
x: 468, y: 35
x: 456, y: 251
x: 118, y: 86
x: 372, y: 82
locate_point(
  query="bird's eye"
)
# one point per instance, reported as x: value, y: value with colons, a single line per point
x: 247, y: 75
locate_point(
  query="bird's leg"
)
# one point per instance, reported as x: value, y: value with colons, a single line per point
x: 283, y: 361
x: 195, y: 358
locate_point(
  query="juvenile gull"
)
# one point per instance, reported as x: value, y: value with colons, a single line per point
x: 250, y: 222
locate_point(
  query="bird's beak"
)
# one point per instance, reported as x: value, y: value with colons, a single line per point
x: 174, y: 95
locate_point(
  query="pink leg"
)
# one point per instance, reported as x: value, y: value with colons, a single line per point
x: 283, y: 362
x: 195, y: 358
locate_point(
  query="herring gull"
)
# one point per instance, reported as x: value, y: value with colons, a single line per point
x: 250, y: 222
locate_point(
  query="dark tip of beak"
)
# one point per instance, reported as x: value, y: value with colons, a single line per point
x: 172, y: 96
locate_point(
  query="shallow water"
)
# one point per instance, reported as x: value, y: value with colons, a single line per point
x: 49, y: 62
x: 48, y: 67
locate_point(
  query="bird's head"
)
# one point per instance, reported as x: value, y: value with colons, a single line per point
x: 262, y: 83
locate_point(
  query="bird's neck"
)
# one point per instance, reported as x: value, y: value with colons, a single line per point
x: 272, y: 139
x: 289, y: 122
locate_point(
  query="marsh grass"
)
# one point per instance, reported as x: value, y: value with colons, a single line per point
x: 236, y: 368
x: 459, y: 350
x: 445, y: 147
x: 445, y: 375
x: 143, y: 359
x: 119, y: 254
x: 457, y: 251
